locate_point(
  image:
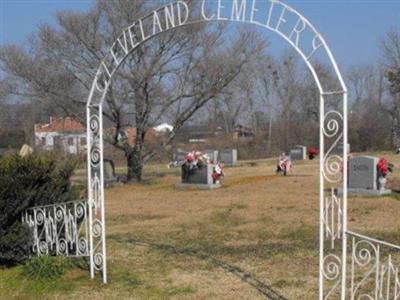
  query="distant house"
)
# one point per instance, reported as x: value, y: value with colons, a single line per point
x: 63, y: 134
x: 163, y: 128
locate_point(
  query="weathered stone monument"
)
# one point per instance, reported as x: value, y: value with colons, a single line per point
x: 212, y: 154
x: 363, y: 176
x: 228, y: 157
x: 199, y: 178
x: 299, y: 152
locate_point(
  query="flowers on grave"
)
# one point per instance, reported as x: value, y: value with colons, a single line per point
x: 193, y: 160
x: 284, y: 164
x: 384, y: 167
x: 196, y: 159
x: 312, y: 153
x: 218, y: 173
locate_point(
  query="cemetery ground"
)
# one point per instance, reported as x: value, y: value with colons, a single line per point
x: 255, y: 237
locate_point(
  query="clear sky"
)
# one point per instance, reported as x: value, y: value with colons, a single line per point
x: 352, y: 28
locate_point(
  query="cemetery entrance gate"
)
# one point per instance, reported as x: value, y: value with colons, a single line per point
x: 335, y: 281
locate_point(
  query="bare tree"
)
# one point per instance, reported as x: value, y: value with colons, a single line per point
x: 368, y: 121
x: 171, y: 77
x: 390, y: 48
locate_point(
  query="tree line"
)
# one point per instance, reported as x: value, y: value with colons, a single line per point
x: 212, y: 74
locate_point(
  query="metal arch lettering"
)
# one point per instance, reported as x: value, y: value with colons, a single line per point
x: 274, y: 17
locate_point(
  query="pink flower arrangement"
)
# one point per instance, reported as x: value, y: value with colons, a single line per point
x: 218, y: 172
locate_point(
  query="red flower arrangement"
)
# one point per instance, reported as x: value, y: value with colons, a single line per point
x: 312, y: 153
x: 383, y: 167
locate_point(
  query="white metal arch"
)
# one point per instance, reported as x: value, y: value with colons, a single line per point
x: 297, y: 31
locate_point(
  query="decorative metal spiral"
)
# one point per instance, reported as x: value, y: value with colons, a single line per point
x: 333, y: 168
x: 332, y: 267
x: 97, y: 228
x: 333, y: 119
x: 94, y: 124
x: 80, y: 210
x: 40, y: 217
x: 98, y: 261
x: 43, y: 248
x: 82, y: 245
x: 60, y: 213
x: 95, y: 156
x: 364, y: 253
x: 62, y: 246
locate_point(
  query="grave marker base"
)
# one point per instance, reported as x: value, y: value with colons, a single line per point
x: 365, y: 192
x: 197, y: 186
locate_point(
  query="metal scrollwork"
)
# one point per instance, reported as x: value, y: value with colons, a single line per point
x: 333, y: 168
x: 60, y: 229
x: 94, y: 124
x: 332, y: 267
x: 332, y: 124
x: 372, y: 276
x: 95, y: 156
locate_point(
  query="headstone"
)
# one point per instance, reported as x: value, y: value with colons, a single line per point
x: 298, y: 153
x: 212, y: 154
x: 200, y: 178
x: 363, y: 177
x: 363, y: 173
x: 228, y: 156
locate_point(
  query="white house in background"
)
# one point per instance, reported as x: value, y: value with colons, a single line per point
x: 63, y: 134
x: 163, y: 128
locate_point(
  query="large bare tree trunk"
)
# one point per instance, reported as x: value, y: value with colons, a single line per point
x: 135, y: 165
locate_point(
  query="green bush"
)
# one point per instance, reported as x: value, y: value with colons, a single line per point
x: 46, y: 267
x: 27, y: 182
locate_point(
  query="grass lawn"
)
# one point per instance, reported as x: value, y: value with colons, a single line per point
x: 255, y: 238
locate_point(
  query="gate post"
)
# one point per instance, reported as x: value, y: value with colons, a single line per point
x: 333, y: 199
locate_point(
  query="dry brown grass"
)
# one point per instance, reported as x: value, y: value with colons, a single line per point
x: 188, y: 244
x: 263, y: 223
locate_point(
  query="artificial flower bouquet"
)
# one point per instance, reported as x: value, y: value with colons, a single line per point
x: 384, y: 167
x: 312, y: 153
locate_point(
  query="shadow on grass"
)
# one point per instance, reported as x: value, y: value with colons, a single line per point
x: 264, y: 289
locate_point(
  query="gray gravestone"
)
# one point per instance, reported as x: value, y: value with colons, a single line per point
x: 179, y: 156
x: 212, y: 154
x: 363, y: 177
x: 363, y: 173
x: 200, y: 178
x: 228, y: 157
x: 298, y: 153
